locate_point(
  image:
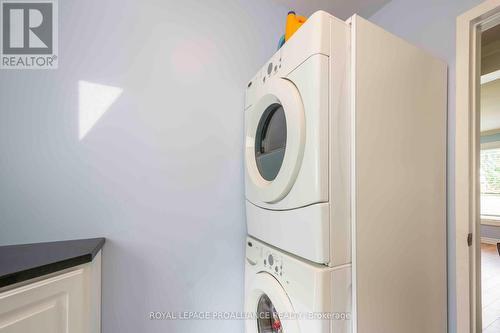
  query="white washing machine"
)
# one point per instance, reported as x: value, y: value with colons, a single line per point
x: 284, y: 293
x: 297, y: 145
x: 346, y: 145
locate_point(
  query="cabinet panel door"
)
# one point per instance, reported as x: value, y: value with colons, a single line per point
x: 54, y: 305
x: 400, y: 183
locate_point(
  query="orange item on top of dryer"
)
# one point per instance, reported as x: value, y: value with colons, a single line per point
x: 293, y: 23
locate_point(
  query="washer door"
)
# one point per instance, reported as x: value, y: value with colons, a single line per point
x: 272, y: 308
x: 275, y: 137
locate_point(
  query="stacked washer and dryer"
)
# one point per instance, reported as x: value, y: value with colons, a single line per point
x: 346, y: 184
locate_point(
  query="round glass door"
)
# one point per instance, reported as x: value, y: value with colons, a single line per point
x: 266, y: 298
x: 268, y: 320
x: 270, y: 141
x: 274, y: 144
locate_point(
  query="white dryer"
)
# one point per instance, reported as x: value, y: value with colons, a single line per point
x: 297, y: 145
x: 346, y: 131
x: 287, y: 294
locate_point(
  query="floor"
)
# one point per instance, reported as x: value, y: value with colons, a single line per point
x: 490, y: 277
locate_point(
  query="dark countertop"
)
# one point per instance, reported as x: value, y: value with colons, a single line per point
x: 19, y: 263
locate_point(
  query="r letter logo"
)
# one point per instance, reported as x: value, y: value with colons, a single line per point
x: 29, y: 34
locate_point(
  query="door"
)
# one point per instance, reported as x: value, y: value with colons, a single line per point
x: 275, y: 137
x: 53, y: 305
x: 268, y: 307
x: 399, y: 175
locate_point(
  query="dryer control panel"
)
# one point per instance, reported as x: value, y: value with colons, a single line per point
x: 256, y: 86
x: 270, y: 69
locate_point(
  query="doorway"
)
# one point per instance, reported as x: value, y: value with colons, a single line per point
x: 477, y: 192
x: 489, y: 178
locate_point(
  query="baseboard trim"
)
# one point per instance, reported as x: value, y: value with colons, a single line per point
x: 488, y: 240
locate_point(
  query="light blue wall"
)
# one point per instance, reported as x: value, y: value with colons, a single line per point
x: 161, y: 173
x: 430, y: 24
x: 490, y: 138
x: 490, y: 231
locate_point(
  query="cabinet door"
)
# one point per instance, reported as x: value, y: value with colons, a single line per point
x: 400, y: 183
x: 54, y: 305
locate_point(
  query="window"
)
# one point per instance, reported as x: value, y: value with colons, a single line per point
x: 490, y: 182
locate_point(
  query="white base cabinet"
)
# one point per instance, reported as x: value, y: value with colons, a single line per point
x: 64, y: 302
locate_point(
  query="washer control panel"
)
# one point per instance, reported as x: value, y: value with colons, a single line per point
x: 268, y: 260
x: 274, y: 263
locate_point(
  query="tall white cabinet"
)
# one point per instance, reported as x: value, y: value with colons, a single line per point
x: 398, y: 184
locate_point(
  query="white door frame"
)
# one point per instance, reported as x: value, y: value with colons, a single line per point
x: 468, y: 270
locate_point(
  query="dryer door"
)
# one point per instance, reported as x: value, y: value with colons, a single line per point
x: 268, y: 307
x: 275, y: 138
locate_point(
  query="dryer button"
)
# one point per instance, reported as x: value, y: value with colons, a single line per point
x: 270, y: 259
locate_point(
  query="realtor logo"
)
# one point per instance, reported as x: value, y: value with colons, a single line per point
x: 29, y: 34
